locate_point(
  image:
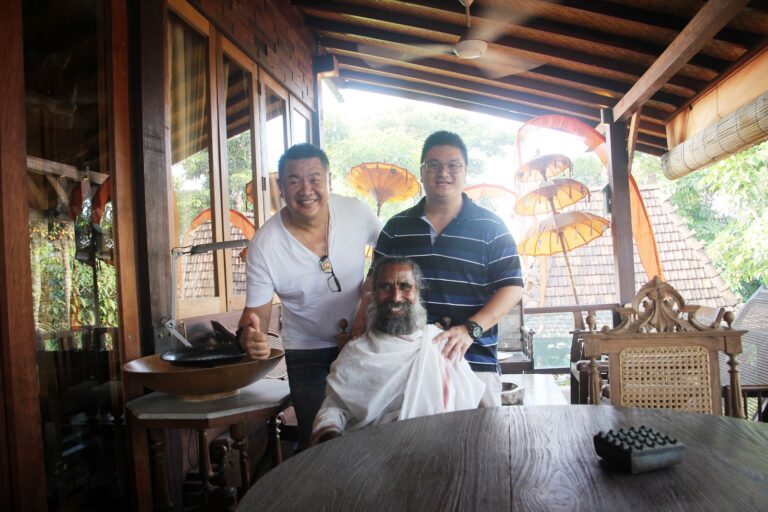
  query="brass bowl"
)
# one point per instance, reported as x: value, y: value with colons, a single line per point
x: 199, y: 383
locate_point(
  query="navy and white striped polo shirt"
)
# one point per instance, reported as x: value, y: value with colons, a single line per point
x: 474, y: 256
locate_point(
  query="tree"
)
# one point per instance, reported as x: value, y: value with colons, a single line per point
x: 726, y: 205
x: 396, y: 135
x: 741, y: 250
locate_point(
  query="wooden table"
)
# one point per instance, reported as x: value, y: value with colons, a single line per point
x: 521, y: 458
x: 261, y: 401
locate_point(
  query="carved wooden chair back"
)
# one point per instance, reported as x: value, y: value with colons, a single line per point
x: 662, y: 356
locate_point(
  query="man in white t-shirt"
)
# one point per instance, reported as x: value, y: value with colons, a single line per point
x: 312, y: 255
x: 394, y: 371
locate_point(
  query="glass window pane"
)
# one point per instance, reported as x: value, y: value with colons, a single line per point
x: 190, y: 148
x: 301, y: 127
x: 239, y: 137
x: 276, y: 112
x: 74, y: 277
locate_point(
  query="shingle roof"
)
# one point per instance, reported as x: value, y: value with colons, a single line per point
x: 686, y: 266
x: 197, y: 279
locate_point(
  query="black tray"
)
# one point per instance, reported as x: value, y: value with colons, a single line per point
x: 205, y: 356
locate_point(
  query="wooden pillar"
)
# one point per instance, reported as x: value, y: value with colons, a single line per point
x: 621, y: 217
x: 154, y: 163
x: 22, y: 474
x: 122, y: 183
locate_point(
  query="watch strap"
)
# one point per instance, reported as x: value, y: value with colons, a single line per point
x: 474, y: 329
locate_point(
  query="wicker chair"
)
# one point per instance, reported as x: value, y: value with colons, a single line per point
x: 661, y: 356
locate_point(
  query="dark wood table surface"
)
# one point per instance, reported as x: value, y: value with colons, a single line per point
x: 521, y: 458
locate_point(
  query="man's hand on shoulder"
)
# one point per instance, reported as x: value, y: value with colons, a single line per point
x: 253, y: 341
x: 343, y: 338
x: 457, y: 341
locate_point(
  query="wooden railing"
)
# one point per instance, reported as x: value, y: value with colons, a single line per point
x: 579, y: 317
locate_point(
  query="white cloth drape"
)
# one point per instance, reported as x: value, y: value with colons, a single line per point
x: 381, y: 378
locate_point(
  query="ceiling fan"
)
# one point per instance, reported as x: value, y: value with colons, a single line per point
x: 472, y: 46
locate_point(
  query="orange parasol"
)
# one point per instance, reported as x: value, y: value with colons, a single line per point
x: 275, y: 200
x: 562, y: 232
x: 386, y: 182
x: 642, y: 231
x: 488, y: 191
x: 551, y: 196
x: 543, y: 167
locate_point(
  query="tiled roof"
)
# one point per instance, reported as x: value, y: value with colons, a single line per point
x: 197, y: 279
x: 686, y: 266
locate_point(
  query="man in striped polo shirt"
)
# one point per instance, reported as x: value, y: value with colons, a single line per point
x: 469, y: 259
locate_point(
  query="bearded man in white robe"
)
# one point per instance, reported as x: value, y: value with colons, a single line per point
x: 394, y: 371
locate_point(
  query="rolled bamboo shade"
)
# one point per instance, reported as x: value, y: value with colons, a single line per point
x: 735, y: 132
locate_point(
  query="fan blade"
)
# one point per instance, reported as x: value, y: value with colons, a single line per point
x: 497, y: 64
x: 492, y: 21
x: 407, y: 54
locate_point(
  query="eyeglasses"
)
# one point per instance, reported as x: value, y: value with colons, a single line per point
x: 325, y: 266
x: 434, y: 166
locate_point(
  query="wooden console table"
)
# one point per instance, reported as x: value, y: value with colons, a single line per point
x: 150, y: 414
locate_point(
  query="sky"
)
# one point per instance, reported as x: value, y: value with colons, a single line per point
x: 366, y: 104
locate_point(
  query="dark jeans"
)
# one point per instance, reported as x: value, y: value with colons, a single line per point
x: 307, y: 371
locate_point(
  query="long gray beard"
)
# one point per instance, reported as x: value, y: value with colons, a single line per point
x: 379, y: 318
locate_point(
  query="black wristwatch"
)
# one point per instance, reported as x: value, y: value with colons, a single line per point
x: 474, y: 329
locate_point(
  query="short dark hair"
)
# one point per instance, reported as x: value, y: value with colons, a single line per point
x: 444, y: 138
x: 398, y: 260
x: 301, y: 152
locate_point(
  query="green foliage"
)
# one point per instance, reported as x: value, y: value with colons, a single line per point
x: 695, y: 201
x: 589, y: 170
x: 57, y: 270
x: 727, y: 205
x: 396, y: 136
x: 239, y: 169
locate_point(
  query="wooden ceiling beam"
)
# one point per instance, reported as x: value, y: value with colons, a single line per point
x: 469, y: 87
x: 708, y: 21
x: 654, y: 19
x: 610, y: 41
x: 655, y: 145
x: 608, y: 88
x: 438, y: 100
x: 614, y: 41
x: 468, y: 98
x: 524, y: 48
x: 357, y: 70
x: 470, y: 73
x: 651, y: 150
x: 436, y: 67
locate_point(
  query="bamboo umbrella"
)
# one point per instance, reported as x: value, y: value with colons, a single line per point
x: 543, y: 167
x: 551, y: 196
x: 488, y: 191
x: 561, y: 233
x: 384, y: 181
x: 275, y: 201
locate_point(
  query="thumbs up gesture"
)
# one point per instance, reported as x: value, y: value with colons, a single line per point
x: 253, y: 341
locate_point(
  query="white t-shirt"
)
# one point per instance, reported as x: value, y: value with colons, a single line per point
x: 278, y: 263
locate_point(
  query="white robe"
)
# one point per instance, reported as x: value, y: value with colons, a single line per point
x: 379, y: 378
